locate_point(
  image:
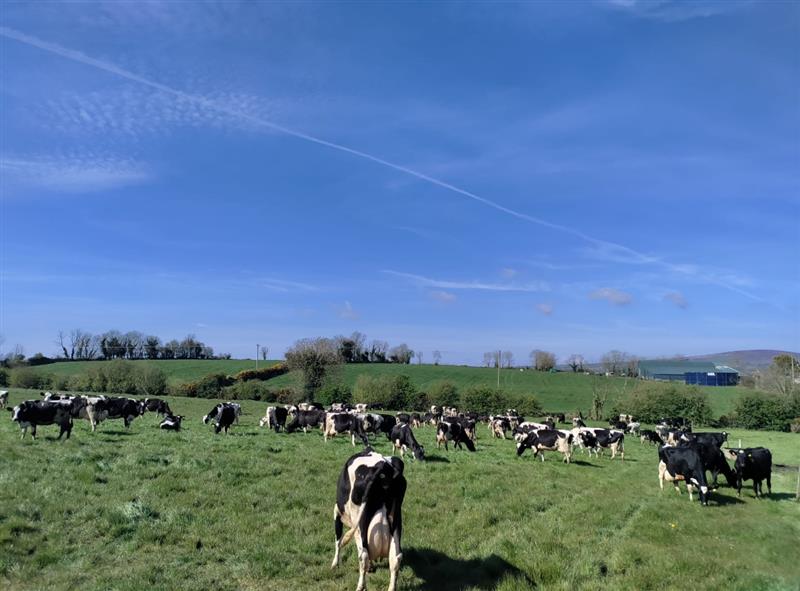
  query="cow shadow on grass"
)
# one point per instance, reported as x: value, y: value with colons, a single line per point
x: 719, y: 499
x: 439, y: 572
x: 776, y: 496
x: 436, y: 459
x: 582, y: 463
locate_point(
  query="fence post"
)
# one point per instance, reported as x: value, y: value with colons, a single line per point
x: 797, y: 493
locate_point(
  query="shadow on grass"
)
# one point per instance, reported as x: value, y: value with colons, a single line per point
x: 439, y: 572
x: 115, y: 432
x: 582, y: 463
x: 436, y: 459
x: 719, y: 499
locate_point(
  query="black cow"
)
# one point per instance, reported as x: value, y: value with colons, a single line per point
x: 224, y: 415
x: 344, y: 422
x: 386, y: 425
x: 369, y: 501
x: 683, y: 463
x: 33, y: 413
x: 157, y: 405
x: 717, y: 439
x: 547, y: 440
x: 403, y: 438
x: 171, y: 422
x: 752, y: 463
x: 403, y: 417
x: 447, y: 431
x: 305, y: 420
x: 112, y: 407
x: 275, y: 418
x: 649, y: 436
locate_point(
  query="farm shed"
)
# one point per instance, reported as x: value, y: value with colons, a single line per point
x: 701, y: 373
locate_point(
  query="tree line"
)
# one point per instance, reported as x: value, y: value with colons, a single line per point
x: 113, y: 344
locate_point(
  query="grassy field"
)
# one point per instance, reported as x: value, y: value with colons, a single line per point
x: 144, y: 509
x: 564, y: 391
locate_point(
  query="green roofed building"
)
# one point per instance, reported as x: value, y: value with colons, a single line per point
x: 701, y: 373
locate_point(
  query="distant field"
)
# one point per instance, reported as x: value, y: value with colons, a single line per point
x: 563, y: 391
x: 145, y: 509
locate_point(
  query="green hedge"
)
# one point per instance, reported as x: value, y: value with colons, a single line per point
x: 648, y: 402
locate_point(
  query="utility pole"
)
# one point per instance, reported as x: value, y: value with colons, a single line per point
x: 257, y: 349
x: 498, y: 369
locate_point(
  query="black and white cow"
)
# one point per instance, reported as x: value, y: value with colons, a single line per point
x: 3, y: 398
x: 275, y: 418
x: 223, y: 415
x: 403, y: 439
x: 453, y: 431
x: 305, y: 420
x: 498, y: 426
x: 683, y: 463
x: 752, y: 463
x: 597, y: 440
x: 547, y: 440
x: 386, y: 425
x: 157, y: 406
x: 369, y: 501
x: 103, y: 408
x: 717, y: 439
x: 337, y: 423
x: 649, y: 436
x: 33, y: 413
x: 171, y: 422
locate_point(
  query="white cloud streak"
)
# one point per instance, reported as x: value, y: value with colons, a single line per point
x: 111, y: 68
x: 444, y: 296
x: 612, y: 296
x: 81, y: 173
x: 470, y: 285
x: 677, y: 298
x: 348, y: 313
x: 545, y: 309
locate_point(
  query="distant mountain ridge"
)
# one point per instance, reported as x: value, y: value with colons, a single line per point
x: 745, y: 361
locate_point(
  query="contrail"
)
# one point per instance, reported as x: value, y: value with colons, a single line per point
x: 80, y: 57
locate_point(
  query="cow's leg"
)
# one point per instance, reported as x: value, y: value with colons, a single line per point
x: 769, y: 484
x: 338, y: 528
x: 738, y: 486
x: 755, y: 486
x: 363, y: 560
x: 33, y: 431
x: 395, y: 557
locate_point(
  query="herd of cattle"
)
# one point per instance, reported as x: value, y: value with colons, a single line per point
x: 371, y: 486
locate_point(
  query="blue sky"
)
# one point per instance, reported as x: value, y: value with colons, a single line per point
x: 461, y: 177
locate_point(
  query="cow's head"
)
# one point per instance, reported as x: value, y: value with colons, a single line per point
x: 16, y: 410
x: 528, y: 442
x: 419, y: 453
x: 742, y: 459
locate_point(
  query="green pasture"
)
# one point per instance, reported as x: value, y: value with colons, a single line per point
x: 144, y: 509
x: 563, y: 391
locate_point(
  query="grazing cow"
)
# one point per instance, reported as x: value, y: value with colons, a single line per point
x: 416, y: 420
x: 157, y: 405
x: 403, y: 417
x: 547, y: 440
x: 3, y: 398
x: 520, y: 432
x: 713, y: 459
x: 369, y: 501
x: 385, y: 425
x: 452, y: 431
x: 340, y: 407
x: 752, y: 463
x: 275, y: 418
x: 344, y: 422
x: 361, y: 408
x: 403, y: 439
x: 633, y: 428
x: 171, y: 422
x: 33, y: 413
x: 597, y: 440
x: 717, y: 439
x: 305, y: 420
x: 498, y: 426
x: 111, y: 407
x: 682, y: 463
x: 578, y: 422
x: 649, y: 436
x: 224, y: 415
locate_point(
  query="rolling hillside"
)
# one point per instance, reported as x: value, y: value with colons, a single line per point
x: 563, y: 391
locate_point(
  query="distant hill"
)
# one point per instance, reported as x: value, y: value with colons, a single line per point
x: 745, y: 361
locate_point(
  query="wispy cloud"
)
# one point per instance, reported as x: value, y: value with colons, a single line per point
x: 258, y: 120
x: 677, y: 298
x: 284, y: 285
x: 509, y: 273
x: 443, y: 296
x: 676, y: 10
x: 75, y: 174
x: 347, y: 312
x: 612, y: 296
x: 545, y: 309
x: 469, y: 285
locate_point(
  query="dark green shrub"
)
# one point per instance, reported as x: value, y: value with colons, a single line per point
x: 29, y: 379
x: 262, y: 374
x: 525, y: 404
x: 387, y: 392
x: 80, y: 382
x: 443, y: 393
x: 330, y: 393
x: 482, y: 400
x: 251, y: 390
x: 150, y: 380
x: 120, y: 377
x: 649, y: 402
x: 58, y: 382
x: 762, y: 411
x: 289, y: 396
x: 211, y: 386
x: 96, y: 380
x: 4, y: 377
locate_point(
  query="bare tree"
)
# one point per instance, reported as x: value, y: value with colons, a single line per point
x: 377, y: 351
x: 401, y: 354
x: 437, y: 357
x: 543, y: 360
x: 488, y: 358
x: 614, y: 362
x: 575, y: 362
x: 418, y: 355
x: 264, y: 352
x: 507, y: 358
x: 60, y: 342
